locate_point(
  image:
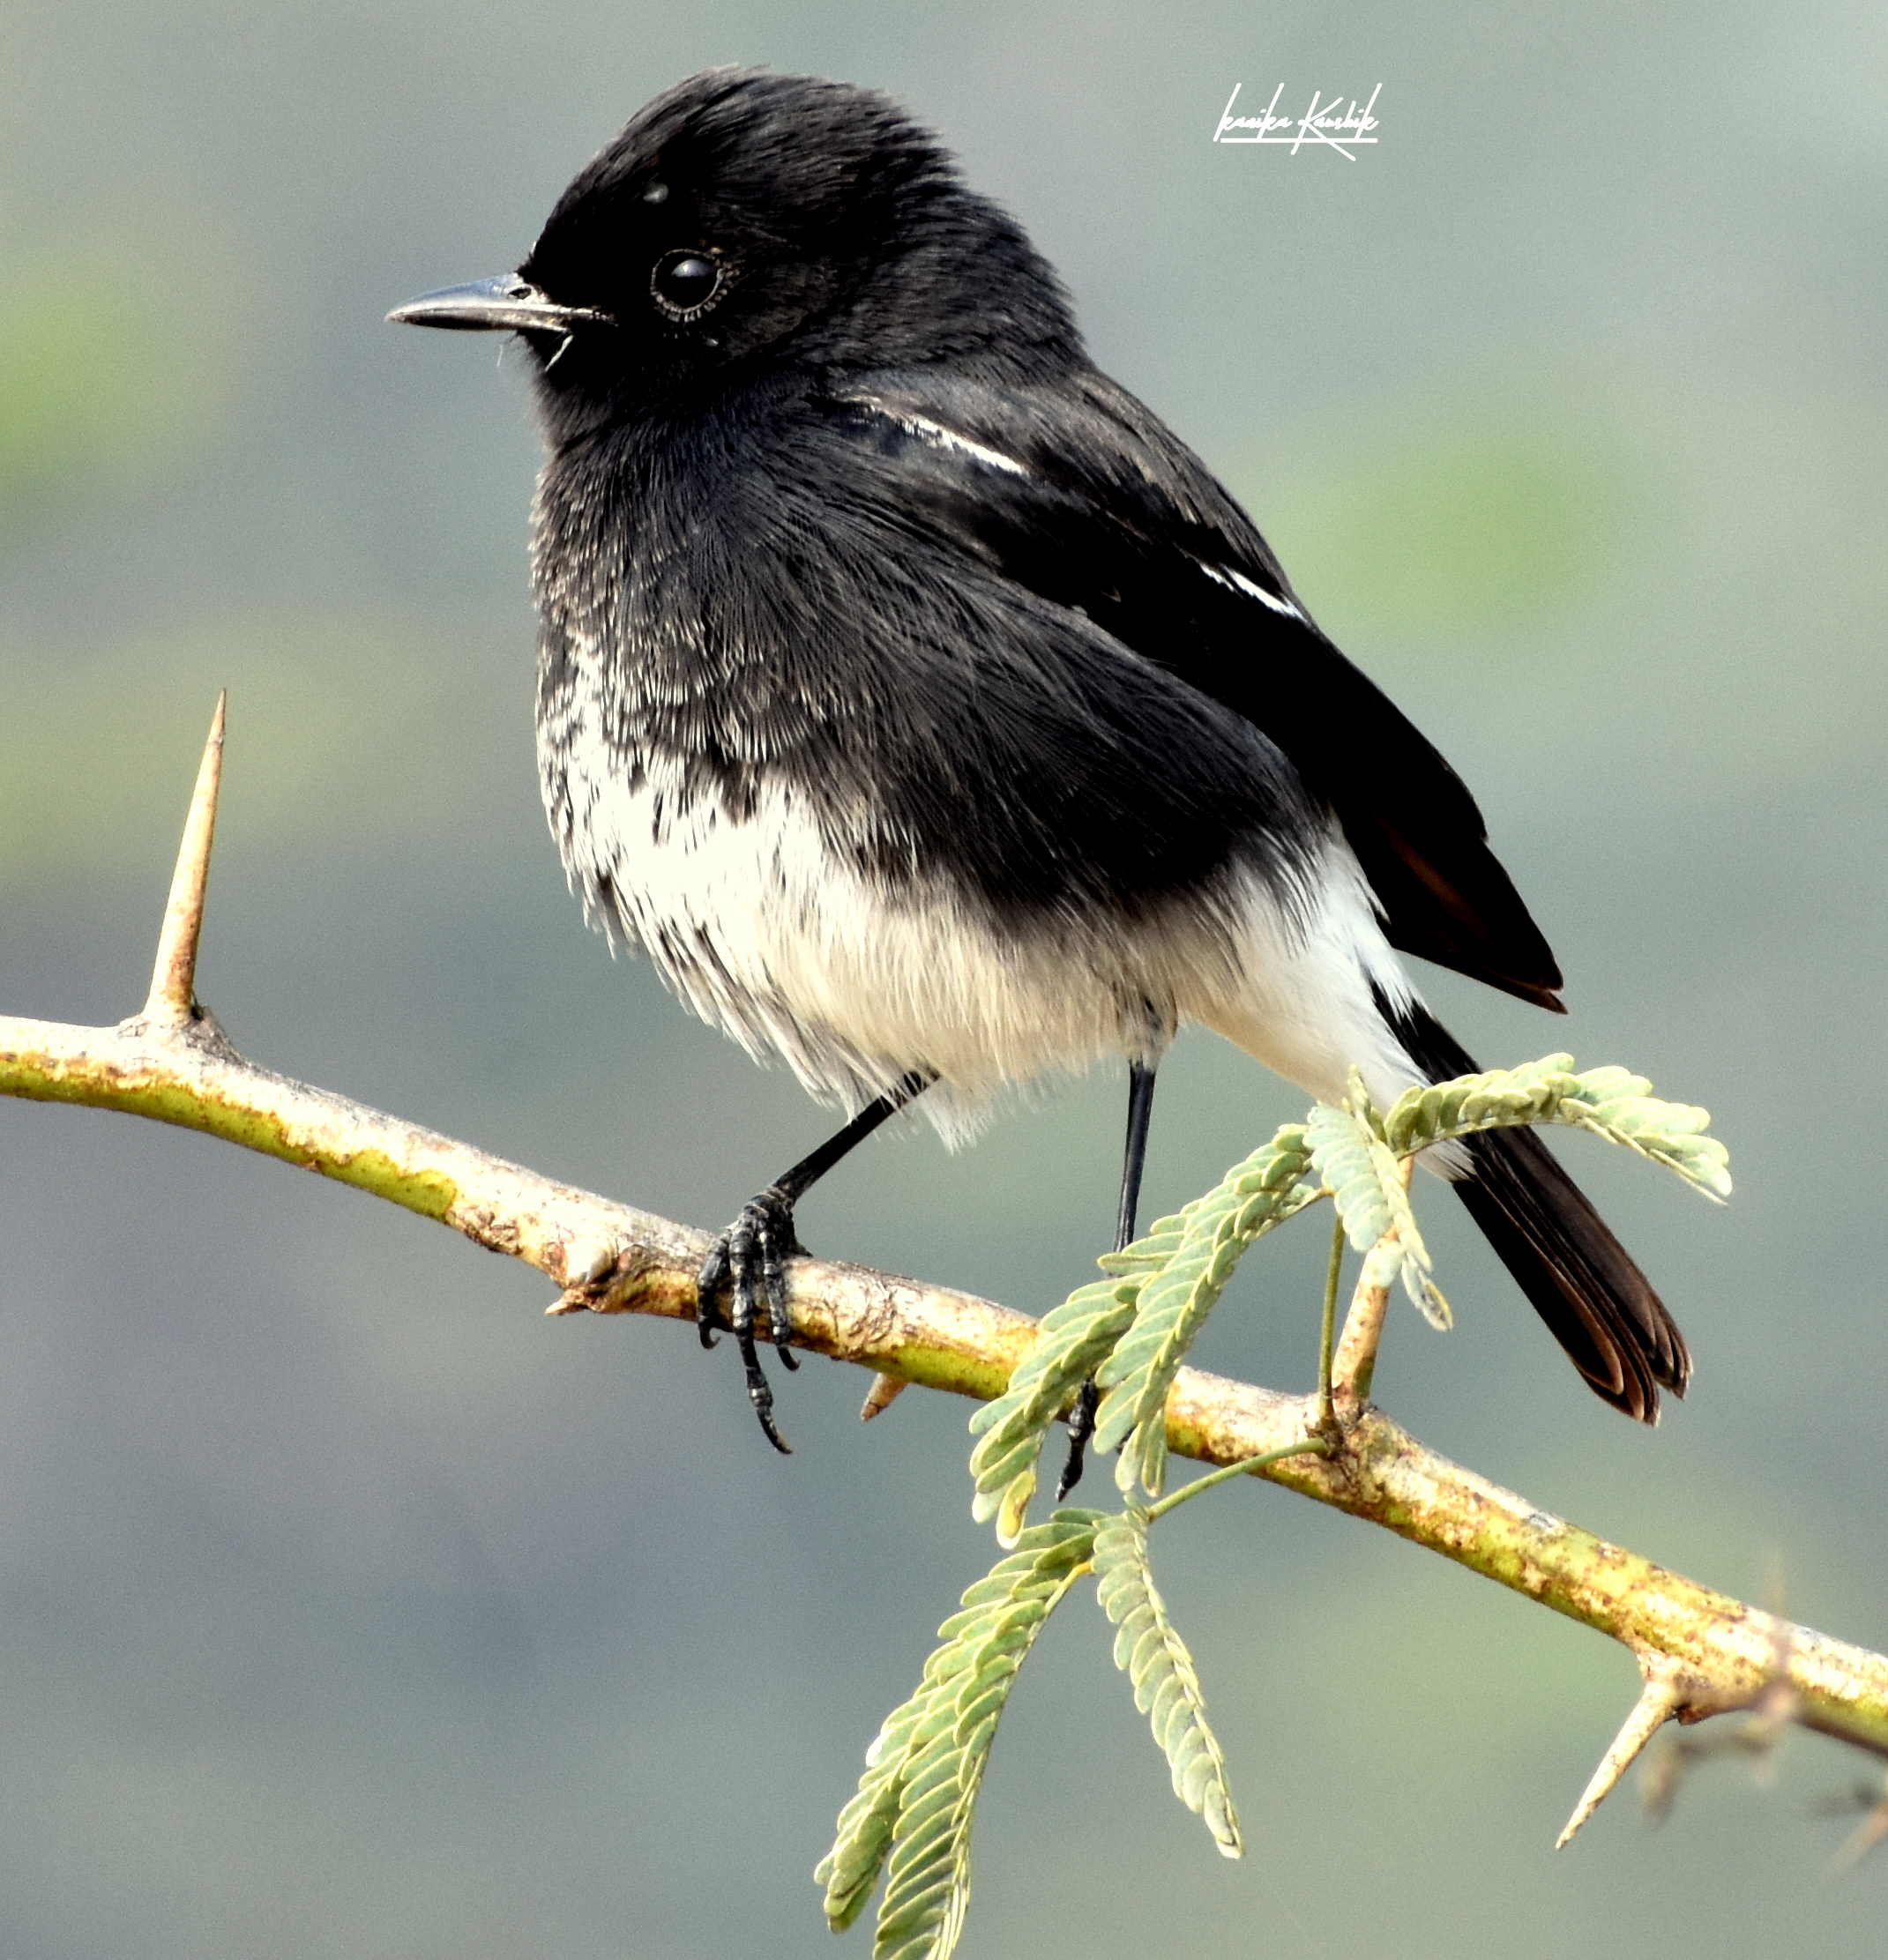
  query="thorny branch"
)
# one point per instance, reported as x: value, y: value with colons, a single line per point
x: 1701, y: 1653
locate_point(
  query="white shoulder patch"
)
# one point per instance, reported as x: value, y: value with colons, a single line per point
x: 1237, y: 581
x: 940, y: 437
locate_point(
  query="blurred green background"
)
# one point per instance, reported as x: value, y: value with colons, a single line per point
x: 346, y: 1607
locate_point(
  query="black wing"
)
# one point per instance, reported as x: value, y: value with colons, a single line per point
x: 1080, y: 495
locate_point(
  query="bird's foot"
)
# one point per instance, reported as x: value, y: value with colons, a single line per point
x: 1081, y: 1426
x: 748, y: 1262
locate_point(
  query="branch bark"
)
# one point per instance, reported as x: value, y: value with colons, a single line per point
x: 612, y: 1258
x: 1704, y: 1652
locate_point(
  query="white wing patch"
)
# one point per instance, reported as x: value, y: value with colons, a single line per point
x: 940, y: 437
x: 948, y: 439
x: 1237, y: 582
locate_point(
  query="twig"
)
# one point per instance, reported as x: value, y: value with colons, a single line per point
x: 1327, y: 1416
x: 610, y: 1259
x: 1355, y: 1366
x: 1312, y: 1446
x: 944, y: 1340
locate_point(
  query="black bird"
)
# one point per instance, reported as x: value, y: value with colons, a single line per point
x: 929, y: 715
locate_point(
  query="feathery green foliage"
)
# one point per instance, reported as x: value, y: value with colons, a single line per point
x: 1149, y: 1650
x: 1132, y: 1330
x: 911, y: 1817
x: 1612, y: 1103
x: 1364, y: 1176
x: 1075, y: 1337
x: 1174, y: 1300
x: 912, y: 1814
x: 1341, y: 1154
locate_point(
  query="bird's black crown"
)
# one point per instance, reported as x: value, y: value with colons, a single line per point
x: 744, y: 217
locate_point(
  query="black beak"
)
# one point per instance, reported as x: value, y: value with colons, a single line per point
x: 506, y: 304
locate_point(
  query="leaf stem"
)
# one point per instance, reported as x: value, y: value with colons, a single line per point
x: 1312, y: 1446
x: 1356, y: 1366
x: 1326, y: 1413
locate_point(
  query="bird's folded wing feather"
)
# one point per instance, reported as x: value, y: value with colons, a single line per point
x: 1081, y: 497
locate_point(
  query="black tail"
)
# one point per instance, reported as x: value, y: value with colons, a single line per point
x: 1596, y: 1303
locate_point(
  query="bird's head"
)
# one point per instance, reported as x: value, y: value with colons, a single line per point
x: 745, y: 220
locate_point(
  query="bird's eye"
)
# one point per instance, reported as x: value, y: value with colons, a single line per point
x: 686, y: 284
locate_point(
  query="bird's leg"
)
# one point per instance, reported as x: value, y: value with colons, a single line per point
x: 749, y: 1259
x: 1140, y: 1112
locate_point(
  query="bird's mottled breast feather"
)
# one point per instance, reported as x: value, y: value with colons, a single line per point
x: 794, y: 622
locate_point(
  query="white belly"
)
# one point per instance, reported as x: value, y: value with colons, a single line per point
x: 770, y: 934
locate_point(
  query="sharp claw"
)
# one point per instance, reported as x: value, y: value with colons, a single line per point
x: 761, y: 1394
x: 772, y: 1434
x: 1081, y: 1426
x: 773, y: 1278
x: 709, y: 1282
x: 749, y: 1262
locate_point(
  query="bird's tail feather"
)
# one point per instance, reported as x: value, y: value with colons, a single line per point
x: 1596, y: 1302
